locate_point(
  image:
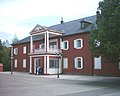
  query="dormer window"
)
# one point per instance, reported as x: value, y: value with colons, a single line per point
x: 84, y: 23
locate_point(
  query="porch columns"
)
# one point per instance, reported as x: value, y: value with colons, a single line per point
x: 31, y: 44
x: 30, y: 70
x: 46, y: 41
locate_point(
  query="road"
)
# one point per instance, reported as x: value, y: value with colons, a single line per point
x: 18, y: 85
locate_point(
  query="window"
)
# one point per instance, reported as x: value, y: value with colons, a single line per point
x: 24, y: 63
x: 78, y: 43
x: 42, y: 46
x: 64, y: 45
x: 15, y: 51
x: 97, y: 63
x: 24, y: 50
x: 15, y: 63
x: 53, y: 63
x: 65, y: 63
x: 78, y: 62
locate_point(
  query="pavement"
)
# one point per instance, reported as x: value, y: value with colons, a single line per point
x: 25, y: 84
x: 68, y: 77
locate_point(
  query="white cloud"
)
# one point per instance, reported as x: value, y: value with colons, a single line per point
x: 14, y: 12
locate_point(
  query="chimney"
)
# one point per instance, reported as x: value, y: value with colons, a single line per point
x: 61, y: 20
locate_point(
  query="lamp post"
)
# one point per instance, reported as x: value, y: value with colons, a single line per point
x: 58, y: 55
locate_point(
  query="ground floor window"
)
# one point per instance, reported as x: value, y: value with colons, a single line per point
x: 15, y: 63
x: 65, y: 63
x: 53, y: 63
x: 78, y: 62
x: 24, y: 63
x: 97, y: 63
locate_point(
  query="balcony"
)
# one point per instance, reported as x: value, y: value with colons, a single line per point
x: 51, y: 51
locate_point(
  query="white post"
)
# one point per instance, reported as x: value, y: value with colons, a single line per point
x: 45, y: 65
x: 30, y: 65
x: 47, y: 41
x: 31, y: 44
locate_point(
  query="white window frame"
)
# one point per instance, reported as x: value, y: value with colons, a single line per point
x: 24, y: 63
x: 75, y: 43
x: 55, y: 63
x: 65, y: 63
x: 63, y: 45
x: 97, y: 63
x: 42, y: 46
x: 15, y: 63
x: 15, y: 51
x: 24, y: 49
x: 76, y: 62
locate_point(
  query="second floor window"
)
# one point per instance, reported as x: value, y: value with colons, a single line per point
x: 78, y: 43
x: 64, y: 45
x: 24, y: 50
x: 15, y: 51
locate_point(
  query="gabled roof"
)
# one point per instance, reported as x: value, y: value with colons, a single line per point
x: 69, y: 28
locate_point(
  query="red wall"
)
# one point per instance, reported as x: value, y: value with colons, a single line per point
x: 71, y: 53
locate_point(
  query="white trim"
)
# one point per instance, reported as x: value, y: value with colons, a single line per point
x: 24, y: 50
x: 47, y: 40
x: 31, y: 44
x: 45, y: 64
x: 15, y: 63
x: 75, y: 43
x: 24, y: 63
x: 65, y: 63
x: 76, y: 62
x: 38, y: 33
x: 97, y: 63
x: 63, y: 45
x: 15, y: 51
x: 30, y: 64
x: 55, y: 33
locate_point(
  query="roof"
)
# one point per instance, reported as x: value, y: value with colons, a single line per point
x: 69, y: 28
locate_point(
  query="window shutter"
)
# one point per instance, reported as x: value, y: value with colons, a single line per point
x: 62, y: 45
x: 75, y: 62
x: 75, y: 44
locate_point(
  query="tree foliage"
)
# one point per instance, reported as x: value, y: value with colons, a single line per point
x: 5, y: 56
x: 105, y: 40
x: 15, y: 39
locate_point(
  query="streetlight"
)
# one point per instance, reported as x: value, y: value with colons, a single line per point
x: 58, y: 55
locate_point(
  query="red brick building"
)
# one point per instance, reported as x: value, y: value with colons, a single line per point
x: 64, y: 46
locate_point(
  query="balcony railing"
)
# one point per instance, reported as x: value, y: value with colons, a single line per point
x: 51, y: 50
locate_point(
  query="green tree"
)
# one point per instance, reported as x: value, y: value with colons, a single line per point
x: 5, y: 56
x: 15, y: 39
x: 105, y: 40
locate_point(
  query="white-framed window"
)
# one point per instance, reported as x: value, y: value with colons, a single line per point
x: 65, y: 45
x: 24, y: 50
x: 78, y: 43
x: 42, y: 46
x: 15, y: 63
x: 24, y: 63
x: 78, y: 62
x: 65, y: 63
x: 53, y: 63
x: 97, y: 63
x: 15, y: 51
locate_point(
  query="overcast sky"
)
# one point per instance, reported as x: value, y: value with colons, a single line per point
x: 20, y: 16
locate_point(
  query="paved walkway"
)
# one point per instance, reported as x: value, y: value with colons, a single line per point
x: 66, y: 85
x: 68, y: 77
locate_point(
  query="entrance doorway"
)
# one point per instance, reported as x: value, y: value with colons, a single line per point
x: 37, y: 63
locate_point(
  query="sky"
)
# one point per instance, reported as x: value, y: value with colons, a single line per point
x: 19, y: 17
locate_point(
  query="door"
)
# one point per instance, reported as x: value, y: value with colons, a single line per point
x: 37, y: 63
